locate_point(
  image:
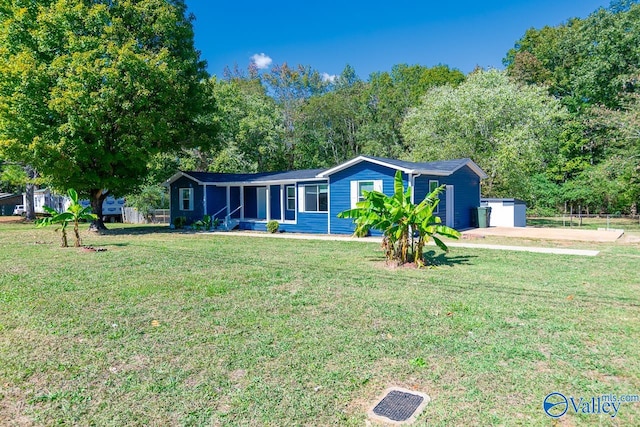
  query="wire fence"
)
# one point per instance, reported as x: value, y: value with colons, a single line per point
x: 588, y: 222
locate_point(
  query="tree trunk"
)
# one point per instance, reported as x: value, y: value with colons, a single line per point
x: 29, y: 208
x: 97, y: 197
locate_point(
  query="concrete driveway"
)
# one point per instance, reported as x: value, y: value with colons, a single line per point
x: 548, y: 233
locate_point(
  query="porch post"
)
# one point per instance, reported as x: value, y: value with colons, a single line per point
x: 268, y: 195
x: 282, y: 196
x: 228, y: 200
x: 205, y: 200
x: 411, y: 184
x: 242, y: 202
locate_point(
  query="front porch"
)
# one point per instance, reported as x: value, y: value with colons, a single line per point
x: 253, y: 203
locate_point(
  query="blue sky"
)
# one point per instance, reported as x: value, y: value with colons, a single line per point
x: 371, y: 35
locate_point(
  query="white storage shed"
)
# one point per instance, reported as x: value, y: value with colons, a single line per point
x: 506, y: 212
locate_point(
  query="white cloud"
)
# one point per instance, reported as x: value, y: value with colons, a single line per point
x: 261, y: 61
x: 331, y: 78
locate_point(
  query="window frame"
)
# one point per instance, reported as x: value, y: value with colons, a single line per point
x: 290, y: 198
x: 182, y: 199
x: 318, y: 192
x: 360, y: 183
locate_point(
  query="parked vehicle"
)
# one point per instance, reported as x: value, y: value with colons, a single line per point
x: 19, y: 210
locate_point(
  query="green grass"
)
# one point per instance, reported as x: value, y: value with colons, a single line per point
x: 166, y: 328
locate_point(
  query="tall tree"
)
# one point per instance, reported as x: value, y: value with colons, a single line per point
x: 90, y: 90
x: 327, y: 126
x: 390, y: 96
x: 506, y: 128
x: 291, y: 87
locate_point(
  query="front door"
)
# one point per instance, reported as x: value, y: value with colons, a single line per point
x: 262, y: 202
x: 450, y: 221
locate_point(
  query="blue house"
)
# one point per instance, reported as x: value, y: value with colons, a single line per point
x: 308, y: 201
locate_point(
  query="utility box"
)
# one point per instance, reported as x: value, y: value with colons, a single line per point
x: 506, y: 212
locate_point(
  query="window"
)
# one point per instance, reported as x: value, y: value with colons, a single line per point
x: 357, y: 187
x: 362, y: 187
x: 316, y: 198
x: 291, y: 198
x: 433, y: 184
x: 186, y: 199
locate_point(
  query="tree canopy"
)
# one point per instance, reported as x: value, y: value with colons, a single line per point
x: 89, y: 91
x: 505, y: 127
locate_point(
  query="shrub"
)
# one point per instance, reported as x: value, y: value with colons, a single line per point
x: 273, y: 226
x: 179, y: 222
x: 206, y: 222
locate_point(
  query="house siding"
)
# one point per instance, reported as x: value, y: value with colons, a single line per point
x: 466, y: 184
x: 234, y: 201
x: 340, y: 191
x: 198, y: 200
x: 250, y: 202
x: 216, y: 200
x: 274, y: 201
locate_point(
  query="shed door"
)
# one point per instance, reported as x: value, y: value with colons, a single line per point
x: 450, y: 221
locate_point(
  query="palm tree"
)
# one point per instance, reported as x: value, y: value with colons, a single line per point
x: 401, y: 221
x: 74, y: 213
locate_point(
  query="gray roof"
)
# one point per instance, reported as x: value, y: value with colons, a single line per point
x: 442, y: 168
x: 4, y: 196
x: 212, y: 177
x: 440, y: 165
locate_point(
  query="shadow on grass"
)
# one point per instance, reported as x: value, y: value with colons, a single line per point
x: 442, y: 259
x: 433, y: 260
x: 136, y: 231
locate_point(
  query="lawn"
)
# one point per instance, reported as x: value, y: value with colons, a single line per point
x: 168, y: 328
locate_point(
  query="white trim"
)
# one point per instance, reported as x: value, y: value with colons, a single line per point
x: 204, y: 197
x: 229, y: 201
x: 328, y: 205
x: 268, y: 201
x: 242, y: 203
x: 179, y: 175
x: 263, y: 183
x: 182, y: 199
x: 304, y: 186
x: 301, y: 198
x: 450, y: 207
x: 353, y: 195
x: 378, y: 185
x: 295, y: 203
x: 357, y: 160
x: 282, y: 215
x: 411, y: 183
x: 468, y: 162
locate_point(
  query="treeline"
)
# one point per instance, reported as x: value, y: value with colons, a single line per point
x: 559, y: 127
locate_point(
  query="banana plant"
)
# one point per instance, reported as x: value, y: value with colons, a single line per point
x: 401, y: 221
x: 74, y: 214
